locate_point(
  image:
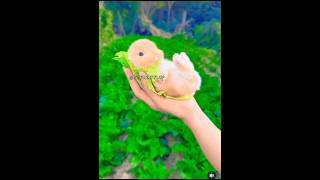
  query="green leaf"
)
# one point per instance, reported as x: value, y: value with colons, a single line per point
x: 179, y: 148
x: 122, y: 57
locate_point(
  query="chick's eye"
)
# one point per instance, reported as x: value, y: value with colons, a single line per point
x: 140, y: 53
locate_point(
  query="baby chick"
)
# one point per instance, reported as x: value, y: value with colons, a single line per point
x: 179, y: 75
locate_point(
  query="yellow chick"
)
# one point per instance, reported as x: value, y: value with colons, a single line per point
x: 179, y: 77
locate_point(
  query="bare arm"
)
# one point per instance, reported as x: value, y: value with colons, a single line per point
x: 206, y: 133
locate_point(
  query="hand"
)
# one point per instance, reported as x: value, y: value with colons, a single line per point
x: 206, y: 133
x: 180, y: 108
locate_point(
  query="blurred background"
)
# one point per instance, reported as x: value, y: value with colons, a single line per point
x: 197, y: 21
x: 134, y: 140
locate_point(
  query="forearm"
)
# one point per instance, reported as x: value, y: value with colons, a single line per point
x: 207, y: 135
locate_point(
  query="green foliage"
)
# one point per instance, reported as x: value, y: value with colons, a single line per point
x: 203, y: 17
x: 152, y: 170
x: 125, y: 13
x: 106, y: 34
x: 208, y: 34
x: 146, y: 145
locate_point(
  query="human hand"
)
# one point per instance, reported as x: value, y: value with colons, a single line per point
x: 206, y: 133
x: 180, y: 108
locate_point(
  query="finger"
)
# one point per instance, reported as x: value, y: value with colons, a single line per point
x: 138, y: 92
x: 133, y: 83
x: 128, y: 73
x: 175, y: 57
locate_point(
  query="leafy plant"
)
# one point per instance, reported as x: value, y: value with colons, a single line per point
x: 145, y: 145
x: 208, y: 34
x: 106, y: 34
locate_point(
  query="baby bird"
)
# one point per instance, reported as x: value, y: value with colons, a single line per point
x: 179, y: 76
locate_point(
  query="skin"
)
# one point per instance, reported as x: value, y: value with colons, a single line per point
x: 205, y: 132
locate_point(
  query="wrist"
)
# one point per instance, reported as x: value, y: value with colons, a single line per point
x: 194, y: 116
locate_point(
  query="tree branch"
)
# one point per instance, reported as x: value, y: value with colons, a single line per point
x: 184, y: 22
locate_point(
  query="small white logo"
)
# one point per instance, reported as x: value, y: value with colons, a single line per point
x: 211, y: 175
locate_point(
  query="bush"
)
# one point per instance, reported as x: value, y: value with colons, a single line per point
x: 106, y: 33
x: 121, y: 114
x: 208, y: 34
